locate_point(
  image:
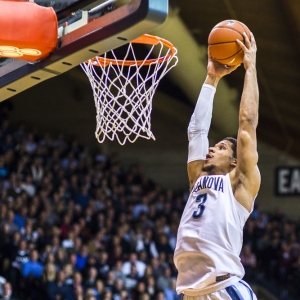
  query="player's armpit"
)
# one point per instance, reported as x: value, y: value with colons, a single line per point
x: 245, y: 188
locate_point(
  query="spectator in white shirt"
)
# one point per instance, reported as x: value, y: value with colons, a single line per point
x: 140, y: 266
x: 28, y: 186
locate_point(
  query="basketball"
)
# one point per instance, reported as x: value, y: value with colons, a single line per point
x: 222, y: 43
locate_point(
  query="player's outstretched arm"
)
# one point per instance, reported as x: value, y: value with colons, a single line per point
x: 201, y: 118
x: 246, y: 177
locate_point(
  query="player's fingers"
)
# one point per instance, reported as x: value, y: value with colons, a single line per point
x: 252, y: 37
x: 231, y: 68
x: 247, y: 42
x: 242, y: 45
x: 253, y: 42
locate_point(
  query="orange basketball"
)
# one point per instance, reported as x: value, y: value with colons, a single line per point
x: 222, y: 42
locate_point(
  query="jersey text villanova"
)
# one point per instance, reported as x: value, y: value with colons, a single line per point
x: 209, y: 182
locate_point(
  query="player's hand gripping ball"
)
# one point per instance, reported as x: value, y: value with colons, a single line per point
x: 222, y: 43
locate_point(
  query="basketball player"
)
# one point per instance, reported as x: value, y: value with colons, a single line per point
x: 224, y: 181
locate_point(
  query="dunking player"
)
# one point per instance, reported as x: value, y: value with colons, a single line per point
x: 224, y: 181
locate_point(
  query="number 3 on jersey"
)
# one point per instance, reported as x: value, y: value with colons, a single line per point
x: 201, y: 207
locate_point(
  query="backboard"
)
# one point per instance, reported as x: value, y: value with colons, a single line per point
x: 84, y: 32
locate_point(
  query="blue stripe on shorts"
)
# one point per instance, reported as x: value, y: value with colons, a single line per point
x: 249, y: 290
x: 234, y: 293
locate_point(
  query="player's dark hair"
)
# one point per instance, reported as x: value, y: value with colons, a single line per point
x: 233, y: 145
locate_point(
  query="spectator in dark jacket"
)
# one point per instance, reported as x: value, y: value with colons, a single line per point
x: 58, y: 289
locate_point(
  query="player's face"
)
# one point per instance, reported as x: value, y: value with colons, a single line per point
x: 219, y: 158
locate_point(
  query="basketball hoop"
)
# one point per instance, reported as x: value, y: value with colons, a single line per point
x: 123, y: 89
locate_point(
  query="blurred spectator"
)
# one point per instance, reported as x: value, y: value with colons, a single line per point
x: 90, y: 281
x: 76, y: 282
x: 99, y: 289
x: 103, y: 266
x: 21, y: 216
x: 3, y: 168
x: 115, y: 255
x: 145, y: 242
x: 65, y: 231
x: 60, y: 258
x: 287, y: 258
x: 7, y: 143
x: 49, y: 273
x: 132, y: 278
x: 11, y: 248
x: 272, y: 255
x: 18, y: 260
x: 78, y: 293
x: 123, y: 236
x: 163, y: 245
x: 33, y: 267
x: 37, y: 170
x: 170, y: 292
x: 30, y: 144
x: 164, y: 281
x: 248, y: 259
x: 110, y: 280
x: 155, y: 266
x: 68, y: 270
x: 151, y: 286
x: 7, y: 292
x: 107, y: 295
x: 117, y: 288
x: 32, y: 277
x: 27, y: 232
x: 117, y: 268
x: 81, y: 257
x: 139, y: 291
x: 68, y: 242
x: 139, y: 265
x: 141, y: 207
x: 160, y: 295
x: 172, y: 235
x: 58, y: 289
x: 9, y: 222
x: 28, y: 185
x: 144, y: 296
x: 73, y: 262
x: 83, y: 197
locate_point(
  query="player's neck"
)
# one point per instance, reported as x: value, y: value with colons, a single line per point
x: 212, y: 170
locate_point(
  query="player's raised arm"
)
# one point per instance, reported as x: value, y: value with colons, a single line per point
x: 201, y: 119
x: 246, y: 171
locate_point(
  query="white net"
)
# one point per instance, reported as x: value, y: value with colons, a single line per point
x: 123, y: 90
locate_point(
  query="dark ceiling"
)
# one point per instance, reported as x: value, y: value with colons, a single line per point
x: 276, y: 27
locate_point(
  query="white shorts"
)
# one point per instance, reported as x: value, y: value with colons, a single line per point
x: 239, y: 291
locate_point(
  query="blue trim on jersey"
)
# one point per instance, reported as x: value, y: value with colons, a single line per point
x: 234, y: 293
x: 248, y: 288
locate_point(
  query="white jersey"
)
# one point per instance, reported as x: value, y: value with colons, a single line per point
x: 210, y: 237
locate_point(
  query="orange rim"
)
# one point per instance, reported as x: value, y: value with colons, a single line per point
x: 146, y: 39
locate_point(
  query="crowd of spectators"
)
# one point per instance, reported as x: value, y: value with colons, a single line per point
x: 271, y: 252
x: 75, y: 225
